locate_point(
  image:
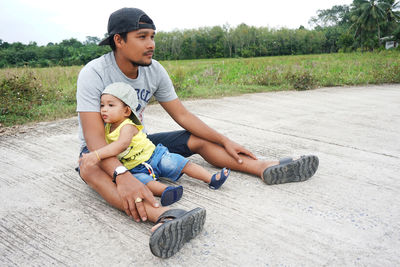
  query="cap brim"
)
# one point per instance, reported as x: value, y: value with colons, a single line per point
x: 106, y: 41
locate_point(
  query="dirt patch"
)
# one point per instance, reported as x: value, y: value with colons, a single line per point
x: 15, y: 130
x: 62, y: 125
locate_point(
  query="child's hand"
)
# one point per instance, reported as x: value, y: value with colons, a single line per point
x: 89, y: 159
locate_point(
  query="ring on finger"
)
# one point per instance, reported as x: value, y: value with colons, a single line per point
x: 138, y: 200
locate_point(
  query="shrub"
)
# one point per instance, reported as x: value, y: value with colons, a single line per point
x: 271, y: 76
x: 178, y: 76
x: 390, y: 74
x: 19, y: 94
x: 302, y: 80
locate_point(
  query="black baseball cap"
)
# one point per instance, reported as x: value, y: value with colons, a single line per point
x: 127, y: 20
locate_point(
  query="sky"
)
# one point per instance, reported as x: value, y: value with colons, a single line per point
x: 44, y: 21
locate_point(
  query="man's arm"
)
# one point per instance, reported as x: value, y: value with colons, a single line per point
x: 128, y: 187
x: 113, y: 149
x: 193, y: 124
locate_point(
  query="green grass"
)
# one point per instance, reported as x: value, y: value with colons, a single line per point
x: 286, y: 72
x: 39, y: 94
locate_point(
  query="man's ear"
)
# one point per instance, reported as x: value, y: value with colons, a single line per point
x: 118, y: 40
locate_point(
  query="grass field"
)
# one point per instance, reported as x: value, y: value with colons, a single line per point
x: 41, y: 94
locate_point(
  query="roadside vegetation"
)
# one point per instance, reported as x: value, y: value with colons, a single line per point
x: 346, y: 46
x: 41, y: 94
x: 365, y: 25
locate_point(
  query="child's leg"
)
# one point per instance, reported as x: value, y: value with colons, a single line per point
x: 168, y: 194
x: 156, y: 187
x: 196, y: 171
x: 171, y: 163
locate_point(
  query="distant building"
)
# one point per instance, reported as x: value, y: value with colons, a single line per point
x: 390, y: 42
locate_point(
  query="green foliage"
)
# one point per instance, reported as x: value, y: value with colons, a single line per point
x: 37, y: 94
x: 271, y: 76
x: 28, y: 94
x: 284, y: 72
x: 357, y: 27
x: 241, y: 41
x: 391, y: 73
x: 361, y: 25
x: 67, y: 53
x: 178, y: 77
x: 335, y: 16
x: 19, y: 94
x: 373, y: 19
x: 302, y: 80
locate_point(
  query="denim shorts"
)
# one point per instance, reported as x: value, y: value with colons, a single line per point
x: 164, y: 164
x: 176, y: 141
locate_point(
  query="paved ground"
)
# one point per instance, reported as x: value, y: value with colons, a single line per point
x: 347, y: 214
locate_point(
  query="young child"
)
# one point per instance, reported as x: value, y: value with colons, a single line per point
x: 137, y: 153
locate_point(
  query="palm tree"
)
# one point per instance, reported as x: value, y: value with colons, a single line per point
x: 368, y: 16
x: 392, y: 16
x: 391, y: 10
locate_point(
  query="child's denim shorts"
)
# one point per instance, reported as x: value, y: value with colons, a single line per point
x: 164, y: 164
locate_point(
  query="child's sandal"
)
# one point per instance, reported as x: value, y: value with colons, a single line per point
x: 171, y: 195
x: 217, y: 183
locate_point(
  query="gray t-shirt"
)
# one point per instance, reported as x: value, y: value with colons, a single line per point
x: 102, y: 71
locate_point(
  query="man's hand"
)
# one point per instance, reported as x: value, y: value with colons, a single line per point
x: 88, y: 159
x: 234, y: 149
x: 130, y: 189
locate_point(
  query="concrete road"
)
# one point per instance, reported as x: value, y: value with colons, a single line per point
x: 347, y: 214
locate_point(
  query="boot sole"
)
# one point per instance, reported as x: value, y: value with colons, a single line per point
x: 170, y: 237
x: 296, y: 171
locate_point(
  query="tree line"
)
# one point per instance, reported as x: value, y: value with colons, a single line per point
x: 359, y: 26
x: 66, y: 53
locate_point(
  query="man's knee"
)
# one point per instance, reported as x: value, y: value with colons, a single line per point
x: 88, y: 174
x: 195, y: 143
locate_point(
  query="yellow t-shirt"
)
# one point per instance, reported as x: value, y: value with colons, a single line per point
x: 140, y: 149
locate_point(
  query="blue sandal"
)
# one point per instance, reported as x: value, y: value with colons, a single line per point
x: 171, y: 195
x: 215, y: 184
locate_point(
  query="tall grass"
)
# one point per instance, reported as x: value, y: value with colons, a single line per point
x: 284, y: 72
x: 36, y: 94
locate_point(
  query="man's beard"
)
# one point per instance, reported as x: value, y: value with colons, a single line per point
x: 142, y: 64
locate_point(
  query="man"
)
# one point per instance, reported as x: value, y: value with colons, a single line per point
x: 131, y: 37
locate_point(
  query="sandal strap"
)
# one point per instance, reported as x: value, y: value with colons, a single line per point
x: 170, y: 214
x: 215, y: 184
x: 285, y: 160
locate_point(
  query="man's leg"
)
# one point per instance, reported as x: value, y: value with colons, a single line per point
x: 271, y: 172
x: 186, y: 144
x: 217, y: 156
x: 174, y: 227
x: 101, y: 182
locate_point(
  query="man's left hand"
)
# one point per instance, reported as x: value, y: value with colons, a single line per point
x: 234, y: 149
